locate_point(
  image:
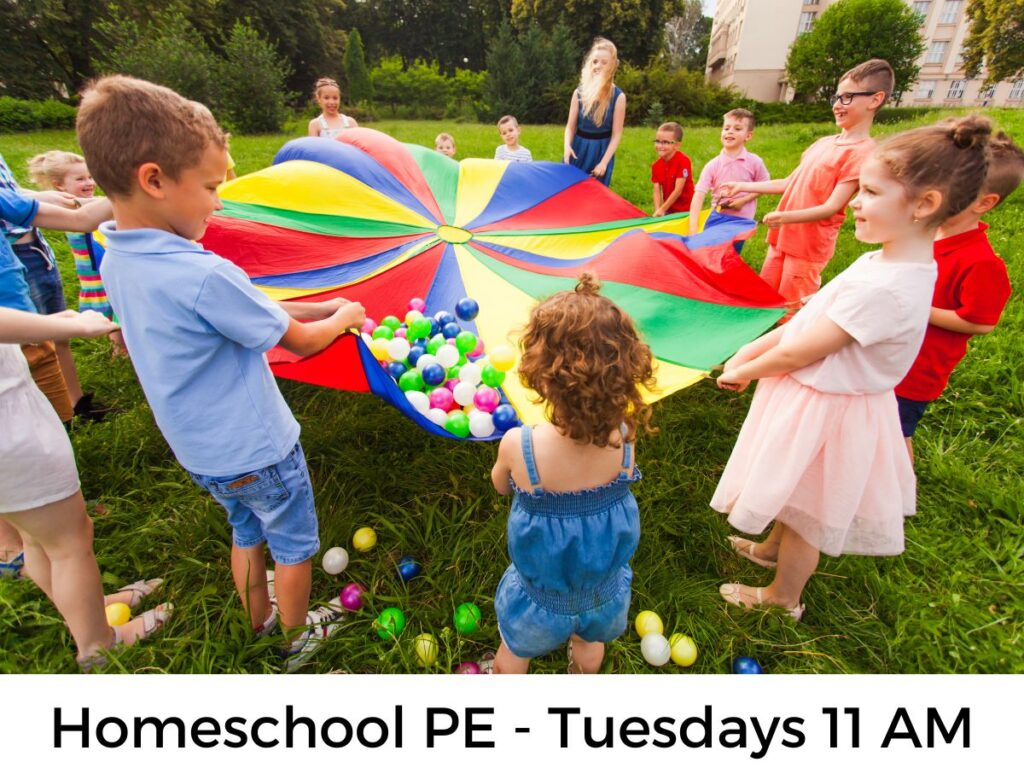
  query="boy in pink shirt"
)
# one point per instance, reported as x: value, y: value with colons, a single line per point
x: 733, y: 163
x: 803, y: 229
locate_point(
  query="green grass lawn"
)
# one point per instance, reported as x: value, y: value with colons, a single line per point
x: 951, y: 603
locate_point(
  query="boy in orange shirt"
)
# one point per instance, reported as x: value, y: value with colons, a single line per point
x: 803, y: 229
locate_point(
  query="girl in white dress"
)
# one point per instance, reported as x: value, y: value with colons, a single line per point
x: 330, y: 122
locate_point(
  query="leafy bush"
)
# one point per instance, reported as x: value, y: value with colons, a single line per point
x: 253, y: 99
x: 24, y: 115
x: 360, y: 87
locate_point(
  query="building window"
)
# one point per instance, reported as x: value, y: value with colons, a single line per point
x: 985, y: 95
x: 921, y: 9
x: 950, y: 12
x: 956, y: 89
x: 807, y: 21
x: 1017, y: 91
x: 925, y: 89
x: 937, y: 53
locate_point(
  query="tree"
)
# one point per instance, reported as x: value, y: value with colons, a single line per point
x: 995, y: 40
x: 687, y: 37
x: 848, y: 33
x: 506, y: 73
x: 252, y: 99
x: 360, y: 88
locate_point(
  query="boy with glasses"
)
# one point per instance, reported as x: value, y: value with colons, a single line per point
x: 803, y: 229
x: 671, y: 173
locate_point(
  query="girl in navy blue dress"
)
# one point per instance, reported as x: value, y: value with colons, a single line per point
x: 597, y: 114
x: 574, y: 523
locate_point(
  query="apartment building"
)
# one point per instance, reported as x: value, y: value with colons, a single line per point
x: 750, y: 40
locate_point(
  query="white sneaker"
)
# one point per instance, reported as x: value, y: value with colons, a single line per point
x: 270, y: 587
x: 321, y: 623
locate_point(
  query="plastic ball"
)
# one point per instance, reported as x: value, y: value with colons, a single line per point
x: 408, y: 568
x: 118, y: 614
x: 481, y: 424
x: 457, y: 423
x: 383, y: 332
x: 465, y: 342
x: 396, y: 369
x: 438, y: 415
x: 419, y: 400
x: 443, y: 318
x: 454, y: 371
x: 398, y: 348
x: 502, y: 357
x: 464, y: 391
x: 401, y: 333
x: 470, y: 373
x: 442, y: 398
x: 351, y: 597
x: 379, y: 349
x: 655, y: 649
x: 335, y: 560
x: 418, y: 304
x: 425, y: 646
x: 436, y: 342
x: 364, y: 539
x: 478, y: 350
x: 424, y: 360
x: 647, y: 622
x: 410, y: 380
x: 390, y: 623
x: 415, y: 354
x: 683, y: 649
x: 391, y: 322
x: 466, y: 309
x: 486, y: 399
x: 412, y: 316
x: 447, y: 356
x: 369, y: 326
x: 467, y: 668
x: 419, y: 328
x: 434, y: 374
x: 491, y: 376
x: 451, y: 330
x: 466, y: 618
x: 505, y: 417
x: 744, y: 665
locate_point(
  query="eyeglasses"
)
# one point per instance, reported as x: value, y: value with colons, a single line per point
x: 663, y: 142
x: 847, y: 98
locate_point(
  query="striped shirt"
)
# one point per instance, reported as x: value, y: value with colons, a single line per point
x: 521, y: 155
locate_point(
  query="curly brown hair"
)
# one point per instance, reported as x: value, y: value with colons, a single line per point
x: 582, y: 355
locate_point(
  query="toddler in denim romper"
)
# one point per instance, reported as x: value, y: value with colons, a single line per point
x: 570, y: 548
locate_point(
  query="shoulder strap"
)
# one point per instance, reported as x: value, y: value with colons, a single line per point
x: 528, y: 459
x: 323, y: 123
x: 627, y: 449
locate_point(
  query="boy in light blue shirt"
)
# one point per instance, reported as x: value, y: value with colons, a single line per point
x: 197, y: 330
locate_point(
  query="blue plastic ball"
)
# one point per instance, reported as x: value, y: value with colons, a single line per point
x: 467, y: 309
x: 415, y: 353
x: 435, y: 327
x: 744, y: 665
x: 505, y: 417
x: 408, y: 568
x: 396, y: 369
x: 434, y: 374
x: 450, y: 330
x: 443, y: 318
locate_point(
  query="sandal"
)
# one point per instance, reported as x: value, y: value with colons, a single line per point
x: 12, y: 569
x: 733, y: 594
x: 745, y: 548
x: 139, y: 590
x: 153, y: 621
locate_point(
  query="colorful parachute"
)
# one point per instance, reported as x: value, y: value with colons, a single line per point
x: 374, y: 220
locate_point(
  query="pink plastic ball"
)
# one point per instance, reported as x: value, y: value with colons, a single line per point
x: 417, y: 304
x: 467, y: 668
x: 369, y: 326
x: 451, y: 342
x: 450, y: 384
x: 478, y: 349
x: 442, y: 398
x: 486, y: 399
x: 351, y: 597
x: 401, y: 333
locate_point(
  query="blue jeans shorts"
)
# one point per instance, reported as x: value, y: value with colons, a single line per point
x: 272, y: 505
x: 911, y: 412
x: 43, y: 276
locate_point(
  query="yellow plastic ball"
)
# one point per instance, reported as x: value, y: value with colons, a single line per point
x: 379, y: 348
x: 684, y: 650
x: 648, y: 622
x: 502, y: 357
x: 118, y: 614
x: 364, y: 539
x: 426, y: 649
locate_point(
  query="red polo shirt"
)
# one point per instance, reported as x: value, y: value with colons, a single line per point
x: 665, y: 172
x: 973, y: 282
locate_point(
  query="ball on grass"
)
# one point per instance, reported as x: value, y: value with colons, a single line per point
x: 335, y: 560
x: 684, y: 650
x: 389, y: 623
x: 655, y: 649
x: 351, y: 597
x: 364, y: 539
x: 744, y: 665
x: 647, y: 622
x: 425, y: 646
x: 466, y: 618
x: 118, y: 614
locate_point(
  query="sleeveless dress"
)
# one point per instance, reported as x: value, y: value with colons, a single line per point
x: 591, y: 140
x: 326, y: 132
x: 570, y: 556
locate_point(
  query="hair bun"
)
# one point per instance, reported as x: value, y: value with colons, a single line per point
x: 588, y: 284
x: 971, y: 131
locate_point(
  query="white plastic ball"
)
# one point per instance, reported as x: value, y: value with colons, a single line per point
x: 398, y: 348
x: 335, y: 560
x: 447, y: 356
x: 481, y: 424
x: 437, y: 416
x: 464, y: 392
x: 424, y: 361
x: 655, y: 649
x: 420, y: 401
x: 367, y: 338
x: 470, y: 373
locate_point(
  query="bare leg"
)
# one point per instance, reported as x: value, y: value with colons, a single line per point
x: 10, y: 541
x: 249, y: 571
x: 69, y: 370
x: 292, y: 584
x: 910, y: 448
x: 797, y: 563
x: 586, y: 657
x: 507, y: 663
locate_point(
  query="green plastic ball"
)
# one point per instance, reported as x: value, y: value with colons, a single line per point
x: 419, y: 329
x: 458, y: 424
x: 392, y: 322
x: 411, y: 380
x: 491, y: 376
x: 435, y: 343
x: 389, y: 623
x: 465, y: 342
x: 466, y: 619
x: 383, y: 332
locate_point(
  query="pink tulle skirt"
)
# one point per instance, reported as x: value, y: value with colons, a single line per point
x: 833, y: 467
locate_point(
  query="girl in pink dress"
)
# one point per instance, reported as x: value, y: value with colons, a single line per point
x: 820, y: 452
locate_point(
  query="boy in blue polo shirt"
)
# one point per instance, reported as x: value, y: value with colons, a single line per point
x: 197, y: 330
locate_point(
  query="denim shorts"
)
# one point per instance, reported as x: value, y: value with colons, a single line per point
x: 911, y: 412
x: 43, y: 276
x: 272, y: 505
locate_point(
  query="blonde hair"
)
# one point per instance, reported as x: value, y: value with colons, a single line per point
x: 742, y: 114
x: 444, y: 137
x: 596, y: 95
x: 49, y: 169
x: 508, y: 119
x: 325, y: 82
x: 124, y: 122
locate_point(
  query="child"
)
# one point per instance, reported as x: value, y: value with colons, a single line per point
x: 330, y: 122
x: 597, y: 114
x: 445, y: 144
x: 804, y: 228
x: 511, y: 150
x: 970, y: 292
x: 820, y: 451
x: 733, y: 163
x: 671, y: 173
x: 196, y: 329
x: 574, y: 523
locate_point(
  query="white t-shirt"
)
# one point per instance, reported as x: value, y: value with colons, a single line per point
x: 885, y: 306
x: 521, y: 155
